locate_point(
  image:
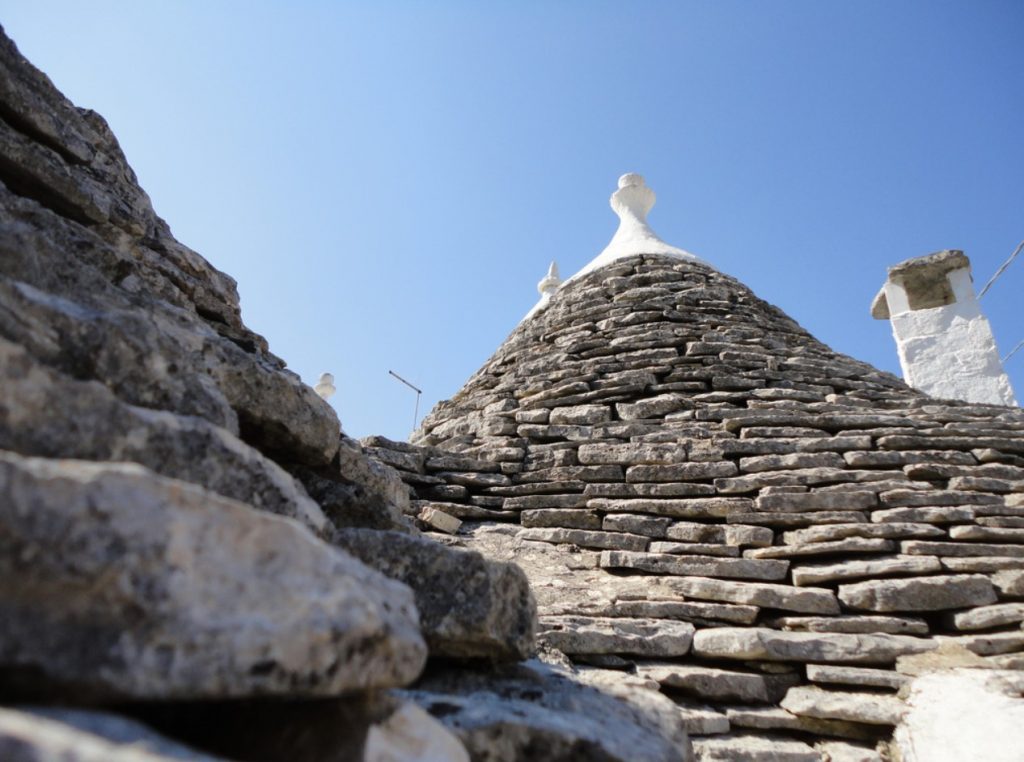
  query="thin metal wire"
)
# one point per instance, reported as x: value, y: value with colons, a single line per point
x: 416, y: 410
x: 1001, y: 270
x: 1014, y: 351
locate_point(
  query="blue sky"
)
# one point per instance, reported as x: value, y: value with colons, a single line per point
x: 388, y: 181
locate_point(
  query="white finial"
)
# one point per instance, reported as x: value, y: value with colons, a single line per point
x: 547, y: 288
x: 632, y: 202
x: 325, y: 386
x: 549, y: 283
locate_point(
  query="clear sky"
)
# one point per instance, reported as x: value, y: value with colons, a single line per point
x: 388, y: 181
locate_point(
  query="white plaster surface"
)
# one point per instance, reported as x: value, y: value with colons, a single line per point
x: 963, y: 715
x: 632, y: 202
x: 949, y: 352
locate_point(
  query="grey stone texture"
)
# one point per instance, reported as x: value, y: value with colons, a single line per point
x: 679, y: 469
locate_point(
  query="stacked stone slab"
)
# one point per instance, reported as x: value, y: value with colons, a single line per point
x: 187, y: 538
x: 709, y: 499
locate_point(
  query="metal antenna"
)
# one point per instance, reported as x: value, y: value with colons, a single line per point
x: 416, y: 412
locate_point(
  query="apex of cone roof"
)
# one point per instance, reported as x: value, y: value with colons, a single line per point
x: 632, y: 202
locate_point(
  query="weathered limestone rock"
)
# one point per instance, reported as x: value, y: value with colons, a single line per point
x: 849, y: 545
x: 919, y: 593
x: 411, y: 735
x: 762, y: 643
x: 663, y: 563
x: 116, y: 583
x: 586, y: 538
x: 963, y: 714
x: 710, y: 683
x: 534, y: 713
x: 1009, y: 582
x: 862, y: 676
x: 439, y: 520
x: 619, y: 635
x: 687, y: 611
x: 892, y: 625
x: 837, y: 751
x: 77, y: 736
x: 808, y: 600
x: 45, y: 414
x: 776, y: 718
x: 869, y: 708
x: 985, y: 617
x: 751, y: 747
x: 470, y: 606
x: 818, y: 573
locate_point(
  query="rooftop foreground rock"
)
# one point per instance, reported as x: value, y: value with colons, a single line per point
x: 175, y: 506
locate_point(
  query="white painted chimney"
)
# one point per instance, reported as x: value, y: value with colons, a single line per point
x: 945, y: 343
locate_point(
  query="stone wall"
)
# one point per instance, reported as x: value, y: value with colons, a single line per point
x: 714, y: 504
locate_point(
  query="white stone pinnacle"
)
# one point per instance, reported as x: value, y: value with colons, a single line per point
x: 632, y: 202
x: 325, y: 386
x: 549, y: 283
x: 547, y: 288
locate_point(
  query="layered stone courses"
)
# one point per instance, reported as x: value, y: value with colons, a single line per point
x: 659, y: 424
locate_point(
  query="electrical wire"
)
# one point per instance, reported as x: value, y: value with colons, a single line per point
x: 1013, y: 351
x: 1001, y: 270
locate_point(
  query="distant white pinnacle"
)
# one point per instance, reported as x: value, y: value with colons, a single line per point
x: 632, y: 202
x: 549, y: 283
x: 325, y: 386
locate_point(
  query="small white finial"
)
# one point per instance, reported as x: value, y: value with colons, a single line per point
x: 547, y: 288
x: 632, y: 202
x: 325, y: 386
x: 549, y: 283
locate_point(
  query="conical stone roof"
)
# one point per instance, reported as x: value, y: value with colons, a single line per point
x: 707, y: 498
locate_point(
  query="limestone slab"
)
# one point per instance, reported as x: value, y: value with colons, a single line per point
x: 619, y: 635
x: 649, y: 526
x: 490, y: 612
x: 892, y: 625
x: 815, y: 574
x: 587, y: 538
x: 160, y: 589
x: 987, y: 534
x: 535, y: 711
x: 680, y: 472
x: 694, y: 549
x: 715, y: 684
x: 784, y: 597
x: 986, y: 617
x: 852, y: 500
x: 832, y: 532
x: 962, y: 549
x: 919, y: 594
x: 738, y: 535
x: 761, y: 643
x: 690, y: 611
x: 569, y: 518
x: 693, y: 508
x: 860, y: 676
x: 751, y: 747
x: 776, y: 718
x: 851, y: 706
x: 662, y: 563
x: 835, y: 547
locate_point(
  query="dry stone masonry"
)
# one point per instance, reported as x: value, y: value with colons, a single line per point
x: 661, y: 511
x: 707, y: 498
